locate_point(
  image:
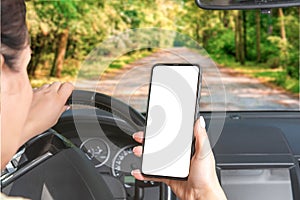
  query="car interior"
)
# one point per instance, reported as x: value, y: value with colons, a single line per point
x: 268, y: 171
x: 88, y: 154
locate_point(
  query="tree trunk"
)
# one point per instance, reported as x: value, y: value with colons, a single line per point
x: 282, y: 25
x: 197, y: 32
x: 236, y: 37
x: 241, y: 46
x: 52, y: 71
x: 225, y: 19
x: 284, y: 45
x: 245, y: 33
x: 37, y: 47
x: 60, y: 54
x: 258, y: 54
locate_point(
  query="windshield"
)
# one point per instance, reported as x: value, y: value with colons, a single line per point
x: 249, y: 60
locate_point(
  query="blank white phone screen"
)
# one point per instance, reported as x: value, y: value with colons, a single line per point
x: 170, y: 121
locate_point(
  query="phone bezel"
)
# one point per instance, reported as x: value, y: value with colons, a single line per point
x: 197, y: 109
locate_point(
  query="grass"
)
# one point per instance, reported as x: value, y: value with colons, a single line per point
x: 279, y: 78
x: 129, y: 58
x: 274, y: 76
x: 72, y: 66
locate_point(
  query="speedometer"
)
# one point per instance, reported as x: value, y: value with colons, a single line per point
x: 123, y: 163
x: 96, y: 150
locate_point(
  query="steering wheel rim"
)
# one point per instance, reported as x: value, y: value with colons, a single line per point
x: 104, y: 102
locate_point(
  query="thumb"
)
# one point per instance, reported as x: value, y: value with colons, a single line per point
x: 202, y: 145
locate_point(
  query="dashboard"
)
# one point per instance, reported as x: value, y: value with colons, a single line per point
x: 257, y: 153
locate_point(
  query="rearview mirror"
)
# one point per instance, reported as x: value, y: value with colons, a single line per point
x: 245, y: 4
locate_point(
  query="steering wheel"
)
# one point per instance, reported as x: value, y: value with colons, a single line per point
x: 51, y: 149
x: 134, y: 121
x: 41, y: 167
x: 57, y: 148
x: 104, y: 102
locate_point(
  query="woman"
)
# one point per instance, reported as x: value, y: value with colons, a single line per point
x: 26, y: 113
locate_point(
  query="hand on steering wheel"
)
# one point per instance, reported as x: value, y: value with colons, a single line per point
x: 48, y: 103
x: 202, y: 182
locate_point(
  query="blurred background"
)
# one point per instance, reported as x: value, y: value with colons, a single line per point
x: 257, y: 45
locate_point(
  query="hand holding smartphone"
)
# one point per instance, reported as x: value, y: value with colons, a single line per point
x: 173, y: 104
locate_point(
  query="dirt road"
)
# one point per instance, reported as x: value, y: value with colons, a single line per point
x: 221, y: 88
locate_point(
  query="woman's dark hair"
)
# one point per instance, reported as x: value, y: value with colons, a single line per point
x: 14, y: 33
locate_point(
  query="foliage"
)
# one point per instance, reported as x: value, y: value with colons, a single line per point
x: 276, y: 76
x: 90, y: 22
x: 222, y: 43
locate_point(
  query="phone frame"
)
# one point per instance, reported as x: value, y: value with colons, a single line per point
x: 197, y: 110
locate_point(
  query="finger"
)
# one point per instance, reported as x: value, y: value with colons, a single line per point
x: 138, y: 136
x: 37, y: 89
x: 139, y: 176
x: 202, y: 122
x: 43, y: 87
x: 65, y: 90
x: 55, y: 86
x: 202, y: 145
x: 66, y: 108
x: 138, y: 150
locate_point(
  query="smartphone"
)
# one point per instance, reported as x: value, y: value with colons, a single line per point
x: 173, y: 104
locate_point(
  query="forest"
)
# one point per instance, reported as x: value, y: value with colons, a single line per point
x: 64, y: 32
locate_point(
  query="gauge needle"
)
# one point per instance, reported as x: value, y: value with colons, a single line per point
x: 90, y: 154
